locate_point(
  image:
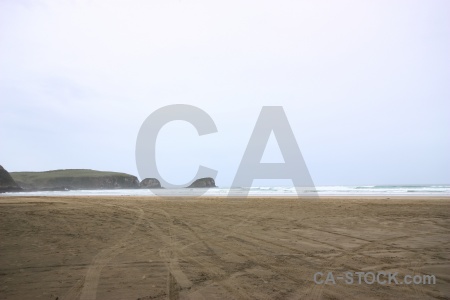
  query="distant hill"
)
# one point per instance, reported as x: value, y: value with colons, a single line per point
x: 7, y: 183
x: 74, y: 179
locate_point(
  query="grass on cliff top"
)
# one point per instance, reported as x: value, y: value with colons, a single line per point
x: 65, y: 173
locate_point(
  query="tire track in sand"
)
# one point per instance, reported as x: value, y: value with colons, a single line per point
x: 176, y: 277
x: 89, y: 285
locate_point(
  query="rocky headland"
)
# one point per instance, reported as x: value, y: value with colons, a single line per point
x: 74, y: 179
x: 81, y: 179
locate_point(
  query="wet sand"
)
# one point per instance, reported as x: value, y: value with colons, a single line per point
x: 219, y: 248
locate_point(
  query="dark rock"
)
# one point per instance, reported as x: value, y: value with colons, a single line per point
x: 150, y: 183
x: 7, y: 183
x: 203, y: 183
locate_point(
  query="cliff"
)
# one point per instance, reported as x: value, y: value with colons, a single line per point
x: 203, y: 183
x: 7, y: 183
x: 74, y: 179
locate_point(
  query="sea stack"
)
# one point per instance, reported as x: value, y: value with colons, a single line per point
x: 203, y: 183
x: 7, y: 183
x: 150, y: 183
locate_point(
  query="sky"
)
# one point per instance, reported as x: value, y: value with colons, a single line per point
x: 364, y: 84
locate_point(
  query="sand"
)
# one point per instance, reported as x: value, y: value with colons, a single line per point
x: 218, y: 248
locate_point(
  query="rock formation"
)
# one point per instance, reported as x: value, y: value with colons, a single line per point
x: 203, y: 183
x: 75, y: 179
x: 7, y: 183
x: 150, y: 183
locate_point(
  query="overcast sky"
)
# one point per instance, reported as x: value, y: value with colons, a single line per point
x: 365, y: 84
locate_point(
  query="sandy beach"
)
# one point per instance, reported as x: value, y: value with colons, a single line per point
x: 220, y: 248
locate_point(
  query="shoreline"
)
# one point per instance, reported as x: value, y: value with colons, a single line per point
x: 291, y: 197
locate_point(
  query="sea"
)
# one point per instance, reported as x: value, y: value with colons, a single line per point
x: 363, y: 190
